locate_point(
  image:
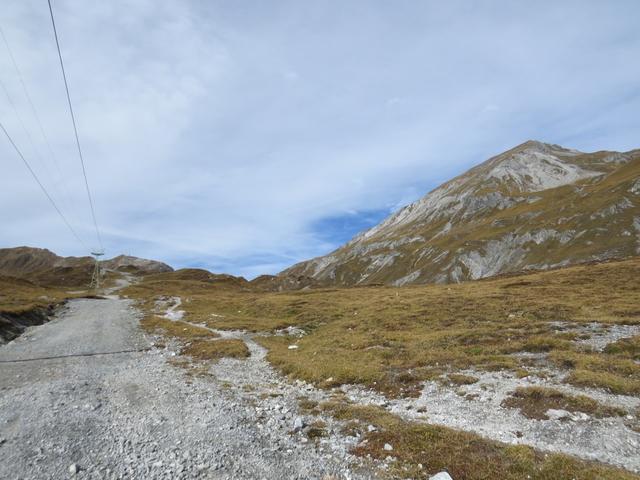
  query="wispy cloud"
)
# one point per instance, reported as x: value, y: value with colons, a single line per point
x: 244, y: 136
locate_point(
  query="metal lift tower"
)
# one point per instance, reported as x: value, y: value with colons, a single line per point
x: 95, y: 278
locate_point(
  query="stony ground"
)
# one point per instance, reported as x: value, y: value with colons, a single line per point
x: 478, y: 407
x: 89, y: 395
x: 64, y: 409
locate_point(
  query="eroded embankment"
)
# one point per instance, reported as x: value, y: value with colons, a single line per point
x: 13, y: 324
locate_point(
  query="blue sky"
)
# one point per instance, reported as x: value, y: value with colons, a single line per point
x: 246, y: 136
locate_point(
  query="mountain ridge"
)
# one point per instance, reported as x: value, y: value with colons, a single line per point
x: 45, y: 267
x: 526, y: 208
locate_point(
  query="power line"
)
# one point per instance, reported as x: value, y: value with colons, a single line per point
x: 44, y: 190
x: 35, y: 114
x: 24, y: 127
x: 75, y: 128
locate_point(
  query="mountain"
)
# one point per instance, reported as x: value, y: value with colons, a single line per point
x: 126, y: 263
x: 44, y: 267
x: 536, y: 206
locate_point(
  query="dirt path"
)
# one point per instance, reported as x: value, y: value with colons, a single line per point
x: 134, y: 415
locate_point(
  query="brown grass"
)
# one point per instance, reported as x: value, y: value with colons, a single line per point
x: 17, y: 296
x: 534, y: 402
x: 391, y: 339
x: 216, y: 349
x: 176, y: 329
x: 629, y: 347
x: 615, y: 373
x: 464, y: 455
x: 460, y: 379
x: 317, y: 429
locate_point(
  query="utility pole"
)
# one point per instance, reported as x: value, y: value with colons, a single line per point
x: 95, y: 278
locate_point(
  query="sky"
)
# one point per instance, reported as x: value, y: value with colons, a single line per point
x: 245, y: 136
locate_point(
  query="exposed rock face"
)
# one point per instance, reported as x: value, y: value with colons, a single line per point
x: 140, y: 265
x: 535, y: 206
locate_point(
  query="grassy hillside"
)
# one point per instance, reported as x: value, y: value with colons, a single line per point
x: 390, y: 339
x: 17, y: 295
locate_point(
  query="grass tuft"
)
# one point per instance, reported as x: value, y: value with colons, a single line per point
x: 534, y: 402
x: 216, y: 349
x: 463, y: 455
x: 177, y: 329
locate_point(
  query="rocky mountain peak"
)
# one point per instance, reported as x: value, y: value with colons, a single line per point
x: 535, y: 166
x: 508, y: 213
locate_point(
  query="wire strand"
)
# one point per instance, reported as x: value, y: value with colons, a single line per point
x: 25, y: 90
x: 42, y: 187
x: 75, y: 128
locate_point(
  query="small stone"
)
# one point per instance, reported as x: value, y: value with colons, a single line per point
x: 557, y: 414
x: 371, y: 428
x: 293, y: 347
x: 387, y: 447
x: 74, y: 468
x: 298, y: 424
x: 441, y: 476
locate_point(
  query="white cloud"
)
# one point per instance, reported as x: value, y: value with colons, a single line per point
x: 219, y: 133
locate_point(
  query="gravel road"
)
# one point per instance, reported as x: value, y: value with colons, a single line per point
x: 74, y: 408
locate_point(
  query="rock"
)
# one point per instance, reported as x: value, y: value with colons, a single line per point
x: 298, y: 424
x: 580, y: 416
x: 441, y: 476
x: 387, y: 447
x: 557, y: 414
x: 371, y: 428
x: 74, y: 468
x: 293, y: 347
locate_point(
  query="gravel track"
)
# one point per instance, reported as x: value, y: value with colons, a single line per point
x: 135, y: 415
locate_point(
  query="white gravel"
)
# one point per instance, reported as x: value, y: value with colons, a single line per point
x: 134, y: 415
x: 477, y: 408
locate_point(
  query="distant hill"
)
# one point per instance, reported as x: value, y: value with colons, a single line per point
x: 536, y: 206
x: 127, y: 263
x: 44, y: 267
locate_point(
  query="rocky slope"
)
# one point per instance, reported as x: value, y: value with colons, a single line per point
x: 46, y: 268
x: 128, y: 263
x: 536, y: 206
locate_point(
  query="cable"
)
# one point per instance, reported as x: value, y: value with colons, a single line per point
x: 37, y: 117
x: 44, y: 190
x: 75, y: 355
x: 75, y: 128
